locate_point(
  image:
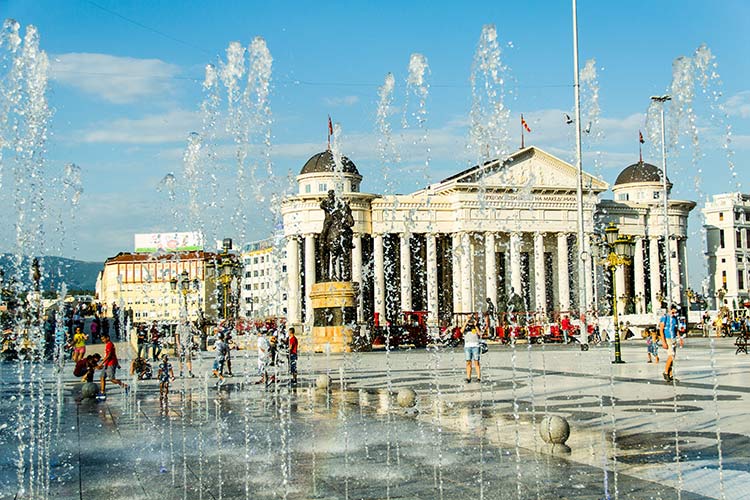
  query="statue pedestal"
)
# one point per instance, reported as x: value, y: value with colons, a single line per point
x: 335, y: 316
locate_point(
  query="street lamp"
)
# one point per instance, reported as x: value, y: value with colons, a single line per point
x: 620, y: 251
x: 227, y: 268
x: 184, y: 285
x: 661, y: 100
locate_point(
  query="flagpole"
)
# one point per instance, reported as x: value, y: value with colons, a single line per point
x: 582, y: 254
x: 522, y: 143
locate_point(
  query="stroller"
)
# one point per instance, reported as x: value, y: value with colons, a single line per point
x: 142, y: 368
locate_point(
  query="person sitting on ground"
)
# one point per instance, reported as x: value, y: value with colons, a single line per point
x: 86, y: 367
x: 165, y: 375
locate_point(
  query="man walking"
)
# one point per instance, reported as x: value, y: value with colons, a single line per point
x: 668, y: 333
x: 109, y: 366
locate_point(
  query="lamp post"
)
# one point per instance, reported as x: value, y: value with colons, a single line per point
x: 620, y: 251
x: 665, y: 195
x: 227, y: 272
x: 184, y: 285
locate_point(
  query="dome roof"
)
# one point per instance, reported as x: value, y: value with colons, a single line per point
x: 640, y: 172
x: 323, y: 162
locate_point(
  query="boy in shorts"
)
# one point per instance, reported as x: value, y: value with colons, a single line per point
x: 221, y: 356
x: 109, y: 367
x: 165, y: 375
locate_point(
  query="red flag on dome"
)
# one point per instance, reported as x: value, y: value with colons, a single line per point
x: 330, y: 131
x: 640, y: 147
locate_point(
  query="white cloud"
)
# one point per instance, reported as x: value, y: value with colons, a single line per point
x: 347, y: 100
x: 115, y: 79
x: 739, y: 104
x: 172, y: 126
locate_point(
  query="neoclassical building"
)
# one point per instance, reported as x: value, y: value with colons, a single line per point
x: 489, y: 231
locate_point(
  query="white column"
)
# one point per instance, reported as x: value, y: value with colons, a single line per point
x: 515, y: 263
x: 357, y: 274
x: 379, y: 276
x: 466, y: 281
x: 293, y: 283
x: 540, y: 288
x: 432, y: 281
x: 563, y: 278
x: 674, y: 271
x: 654, y: 275
x: 405, y: 254
x: 638, y: 271
x: 490, y: 267
x: 456, y: 267
x: 309, y: 276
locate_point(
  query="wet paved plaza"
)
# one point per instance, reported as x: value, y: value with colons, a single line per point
x: 464, y: 441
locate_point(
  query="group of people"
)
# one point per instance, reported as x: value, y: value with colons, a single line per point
x: 86, y: 366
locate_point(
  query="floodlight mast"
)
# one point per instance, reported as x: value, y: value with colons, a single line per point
x: 665, y: 199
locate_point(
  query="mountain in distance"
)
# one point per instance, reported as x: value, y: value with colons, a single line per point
x: 76, y: 274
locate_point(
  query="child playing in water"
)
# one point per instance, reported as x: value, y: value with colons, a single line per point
x: 652, y: 346
x: 165, y: 375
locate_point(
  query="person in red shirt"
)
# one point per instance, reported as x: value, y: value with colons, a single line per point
x: 565, y: 327
x: 293, y: 344
x: 109, y: 366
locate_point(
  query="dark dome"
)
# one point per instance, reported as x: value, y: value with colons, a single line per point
x: 323, y: 162
x: 640, y: 172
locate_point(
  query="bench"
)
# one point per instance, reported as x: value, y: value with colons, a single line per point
x: 741, y: 343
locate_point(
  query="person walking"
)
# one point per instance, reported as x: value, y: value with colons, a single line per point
x: 165, y: 376
x: 109, y: 366
x: 79, y: 345
x: 668, y: 334
x: 471, y: 349
x: 293, y: 345
x: 141, y: 339
x: 264, y: 348
x: 565, y: 327
x: 155, y: 341
x: 221, y: 356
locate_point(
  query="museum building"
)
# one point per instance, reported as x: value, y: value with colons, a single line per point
x: 493, y: 230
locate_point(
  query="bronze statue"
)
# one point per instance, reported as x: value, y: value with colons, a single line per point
x: 335, y: 240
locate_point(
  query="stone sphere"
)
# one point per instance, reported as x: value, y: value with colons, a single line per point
x: 89, y: 390
x: 406, y: 397
x: 554, y: 430
x: 323, y: 382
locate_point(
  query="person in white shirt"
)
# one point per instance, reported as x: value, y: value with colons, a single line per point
x: 471, y: 349
x: 263, y: 357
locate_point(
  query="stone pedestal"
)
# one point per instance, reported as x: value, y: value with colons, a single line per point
x: 334, y: 316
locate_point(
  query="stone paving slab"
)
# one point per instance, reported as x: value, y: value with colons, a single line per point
x: 466, y: 441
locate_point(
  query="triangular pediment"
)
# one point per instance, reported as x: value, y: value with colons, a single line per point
x: 529, y: 168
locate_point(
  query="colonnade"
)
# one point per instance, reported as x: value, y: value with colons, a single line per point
x: 529, y: 259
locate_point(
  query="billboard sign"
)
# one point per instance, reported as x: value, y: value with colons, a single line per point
x: 168, y: 242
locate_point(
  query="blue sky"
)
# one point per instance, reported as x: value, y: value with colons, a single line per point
x: 126, y: 77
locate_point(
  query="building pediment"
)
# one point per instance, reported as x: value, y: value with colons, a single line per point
x: 528, y: 169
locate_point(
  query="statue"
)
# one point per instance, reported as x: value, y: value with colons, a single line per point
x: 335, y: 241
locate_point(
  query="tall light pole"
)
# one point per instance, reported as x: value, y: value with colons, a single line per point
x: 582, y: 299
x: 665, y: 196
